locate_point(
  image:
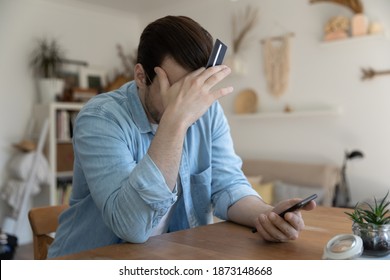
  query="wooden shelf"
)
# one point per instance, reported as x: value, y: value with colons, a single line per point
x: 295, y: 114
x: 67, y: 106
x: 64, y: 174
x: 357, y: 39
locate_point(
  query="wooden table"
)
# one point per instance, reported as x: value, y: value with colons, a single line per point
x: 229, y: 241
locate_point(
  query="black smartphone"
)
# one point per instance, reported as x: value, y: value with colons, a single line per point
x: 298, y: 205
x: 217, y: 54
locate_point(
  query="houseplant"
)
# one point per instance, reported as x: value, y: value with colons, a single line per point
x: 371, y: 221
x: 46, y: 61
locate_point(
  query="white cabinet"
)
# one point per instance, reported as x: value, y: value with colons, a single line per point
x: 58, y: 148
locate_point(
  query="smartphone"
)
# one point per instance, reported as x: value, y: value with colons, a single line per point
x: 298, y: 205
x: 217, y: 54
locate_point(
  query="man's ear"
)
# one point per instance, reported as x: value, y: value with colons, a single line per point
x: 139, y: 75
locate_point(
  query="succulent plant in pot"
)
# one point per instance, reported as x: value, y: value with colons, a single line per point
x: 371, y: 221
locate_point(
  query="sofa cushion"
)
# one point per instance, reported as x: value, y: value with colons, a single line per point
x: 322, y: 175
x: 283, y: 190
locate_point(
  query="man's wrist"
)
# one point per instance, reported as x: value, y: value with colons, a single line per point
x: 174, y: 123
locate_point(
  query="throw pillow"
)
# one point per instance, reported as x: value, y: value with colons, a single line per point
x: 264, y: 190
x: 254, y: 179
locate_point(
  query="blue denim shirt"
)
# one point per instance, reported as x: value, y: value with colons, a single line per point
x: 119, y: 194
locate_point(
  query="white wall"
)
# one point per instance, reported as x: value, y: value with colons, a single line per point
x: 86, y: 33
x: 326, y: 74
x: 320, y: 74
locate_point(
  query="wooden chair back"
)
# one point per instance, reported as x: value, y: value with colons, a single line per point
x: 43, y: 222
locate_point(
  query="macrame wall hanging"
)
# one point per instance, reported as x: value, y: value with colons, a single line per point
x: 276, y: 56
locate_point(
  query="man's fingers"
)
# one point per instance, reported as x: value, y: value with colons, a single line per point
x: 222, y: 92
x: 210, y: 77
x: 197, y: 72
x: 310, y: 206
x: 295, y: 220
x: 215, y: 74
x: 162, y: 79
x: 267, y: 231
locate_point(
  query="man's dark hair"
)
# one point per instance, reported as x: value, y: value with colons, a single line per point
x: 178, y: 37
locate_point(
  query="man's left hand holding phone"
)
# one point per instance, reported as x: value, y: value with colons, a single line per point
x: 281, y: 225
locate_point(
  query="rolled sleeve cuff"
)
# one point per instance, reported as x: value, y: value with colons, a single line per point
x: 150, y: 184
x: 229, y: 197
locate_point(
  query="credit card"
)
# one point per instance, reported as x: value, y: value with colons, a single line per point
x: 217, y: 54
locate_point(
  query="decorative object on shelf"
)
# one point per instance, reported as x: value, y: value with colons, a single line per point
x: 242, y: 24
x: 359, y: 25
x: 93, y: 78
x: 336, y: 28
x: 354, y: 5
x: 246, y: 102
x: 369, y: 73
x: 359, y: 22
x: 375, y: 28
x: 122, y: 77
x: 46, y: 61
x: 116, y: 83
x: 70, y: 73
x: 83, y: 94
x: 128, y: 62
x: 276, y: 54
x: 342, y: 193
x: 287, y: 109
x: 371, y: 221
x: 47, y: 58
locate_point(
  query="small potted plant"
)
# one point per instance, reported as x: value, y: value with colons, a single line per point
x: 371, y: 221
x: 46, y: 61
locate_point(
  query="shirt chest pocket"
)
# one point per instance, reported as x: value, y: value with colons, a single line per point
x: 201, y: 191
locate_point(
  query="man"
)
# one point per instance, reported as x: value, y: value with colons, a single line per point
x: 156, y: 155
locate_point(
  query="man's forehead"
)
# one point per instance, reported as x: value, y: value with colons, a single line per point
x: 174, y: 71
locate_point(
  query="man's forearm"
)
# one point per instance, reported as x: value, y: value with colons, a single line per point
x: 247, y: 209
x: 166, y: 150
